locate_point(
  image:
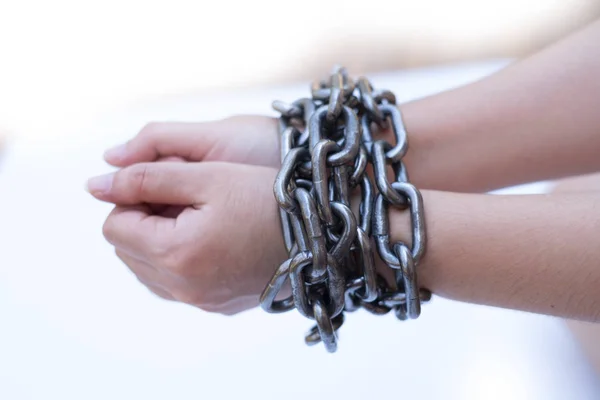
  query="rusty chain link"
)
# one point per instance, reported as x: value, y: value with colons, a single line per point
x: 327, y: 142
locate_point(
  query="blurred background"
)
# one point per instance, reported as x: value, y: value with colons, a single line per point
x: 65, y: 59
x: 79, y: 76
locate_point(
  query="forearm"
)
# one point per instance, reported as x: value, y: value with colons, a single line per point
x: 534, y: 120
x: 533, y: 253
x: 537, y: 119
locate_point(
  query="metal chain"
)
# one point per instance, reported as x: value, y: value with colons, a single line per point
x: 327, y: 142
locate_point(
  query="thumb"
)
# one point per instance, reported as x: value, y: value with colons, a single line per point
x: 172, y: 183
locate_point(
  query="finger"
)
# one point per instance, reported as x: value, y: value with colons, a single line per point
x: 166, y: 210
x: 172, y: 183
x: 133, y: 230
x: 145, y: 273
x: 190, y: 141
x: 158, y: 140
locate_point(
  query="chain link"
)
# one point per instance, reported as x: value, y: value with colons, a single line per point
x: 327, y: 143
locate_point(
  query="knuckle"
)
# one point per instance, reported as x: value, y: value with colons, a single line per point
x: 162, y: 251
x: 176, y: 255
x: 173, y: 262
x: 176, y: 260
x: 138, y: 178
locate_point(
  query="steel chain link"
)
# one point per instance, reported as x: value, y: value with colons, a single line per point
x: 327, y: 142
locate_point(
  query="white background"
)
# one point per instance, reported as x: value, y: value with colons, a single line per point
x: 75, y: 324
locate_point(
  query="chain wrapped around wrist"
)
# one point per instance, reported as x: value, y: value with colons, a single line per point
x: 327, y: 142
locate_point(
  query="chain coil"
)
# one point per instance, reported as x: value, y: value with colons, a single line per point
x: 327, y: 142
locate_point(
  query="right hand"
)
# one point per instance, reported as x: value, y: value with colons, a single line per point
x: 218, y: 252
x: 241, y: 139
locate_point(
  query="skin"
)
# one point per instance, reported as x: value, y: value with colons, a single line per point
x: 586, y: 333
x: 206, y: 231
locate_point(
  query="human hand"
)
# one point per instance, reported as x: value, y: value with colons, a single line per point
x: 241, y: 139
x: 218, y: 252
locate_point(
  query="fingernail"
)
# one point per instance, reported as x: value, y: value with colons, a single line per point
x: 115, y: 153
x: 100, y: 184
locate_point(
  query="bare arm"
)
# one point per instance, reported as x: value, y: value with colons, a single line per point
x: 535, y: 253
x: 537, y: 119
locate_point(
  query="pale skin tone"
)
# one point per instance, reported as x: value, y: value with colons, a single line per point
x: 586, y: 333
x: 206, y: 231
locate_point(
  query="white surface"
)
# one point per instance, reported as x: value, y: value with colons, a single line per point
x: 69, y: 54
x: 75, y: 324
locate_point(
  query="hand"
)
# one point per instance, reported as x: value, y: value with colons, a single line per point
x: 241, y: 139
x: 218, y: 252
